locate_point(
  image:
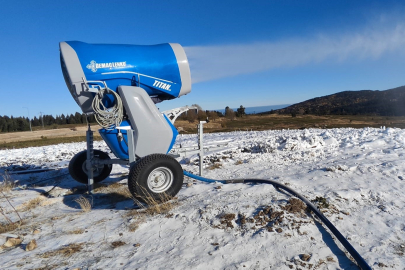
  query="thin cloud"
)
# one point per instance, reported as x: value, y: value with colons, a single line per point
x: 214, y: 62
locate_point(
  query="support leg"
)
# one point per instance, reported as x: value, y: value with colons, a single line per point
x: 90, y: 156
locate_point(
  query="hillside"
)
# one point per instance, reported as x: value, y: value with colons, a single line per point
x: 366, y: 102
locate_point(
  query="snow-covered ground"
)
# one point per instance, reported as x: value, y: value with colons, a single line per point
x: 360, y: 173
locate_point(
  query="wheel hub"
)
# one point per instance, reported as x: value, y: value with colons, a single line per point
x: 97, y: 169
x: 160, y: 179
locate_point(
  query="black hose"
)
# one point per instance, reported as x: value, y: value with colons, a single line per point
x: 356, y: 256
x: 31, y: 184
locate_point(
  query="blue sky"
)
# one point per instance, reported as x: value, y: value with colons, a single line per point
x: 250, y: 53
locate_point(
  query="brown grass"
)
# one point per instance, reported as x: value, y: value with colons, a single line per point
x: 118, y: 188
x: 149, y: 206
x: 47, y: 267
x: 84, y: 204
x: 295, y: 206
x: 133, y: 226
x: 64, y: 134
x: 276, y: 121
x: 116, y: 244
x: 8, y: 183
x: 77, y: 231
x: 136, y: 221
x: 238, y: 162
x: 45, y: 141
x: 9, y: 227
x: 158, y: 204
x: 215, y: 166
x: 65, y: 251
x: 31, y: 204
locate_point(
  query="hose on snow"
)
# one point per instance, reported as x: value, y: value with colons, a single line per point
x: 356, y: 256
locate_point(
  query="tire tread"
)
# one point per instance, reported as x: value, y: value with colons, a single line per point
x: 135, y: 184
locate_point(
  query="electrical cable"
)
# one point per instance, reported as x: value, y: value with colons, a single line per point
x: 356, y: 256
x: 111, y: 117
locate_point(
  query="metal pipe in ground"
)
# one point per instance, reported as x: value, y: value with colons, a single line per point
x: 90, y: 156
x: 201, y: 146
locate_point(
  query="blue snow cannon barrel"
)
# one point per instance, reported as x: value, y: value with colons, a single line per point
x: 161, y: 70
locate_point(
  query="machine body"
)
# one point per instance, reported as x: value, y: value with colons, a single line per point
x: 142, y: 76
x: 120, y: 85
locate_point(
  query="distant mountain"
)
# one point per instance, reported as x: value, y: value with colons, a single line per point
x: 385, y: 103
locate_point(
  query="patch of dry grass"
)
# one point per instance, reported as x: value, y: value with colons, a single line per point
x: 116, y: 244
x: 65, y: 251
x: 9, y: 227
x: 31, y: 204
x: 155, y: 206
x: 8, y: 183
x: 120, y: 189
x: 149, y: 206
x: 84, y: 204
x: 238, y: 162
x: 215, y: 166
x: 47, y: 267
x: 295, y: 206
x: 77, y: 231
x: 103, y: 188
x: 135, y: 222
x: 133, y: 226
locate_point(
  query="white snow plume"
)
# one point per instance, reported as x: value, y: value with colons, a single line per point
x: 214, y: 62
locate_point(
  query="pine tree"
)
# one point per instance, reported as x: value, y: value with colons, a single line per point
x: 241, y: 111
x: 229, y: 113
x: 62, y: 119
x: 3, y: 124
x: 78, y: 118
x: 84, y: 118
x: 35, y: 122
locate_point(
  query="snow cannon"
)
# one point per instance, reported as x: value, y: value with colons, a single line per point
x: 161, y: 70
x: 120, y: 85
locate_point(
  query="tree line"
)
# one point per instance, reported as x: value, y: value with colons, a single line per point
x: 13, y: 124
x: 201, y: 115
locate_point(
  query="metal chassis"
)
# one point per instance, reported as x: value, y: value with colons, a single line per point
x: 200, y: 149
x: 92, y: 162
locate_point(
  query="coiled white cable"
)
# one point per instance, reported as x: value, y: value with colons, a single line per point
x: 111, y: 117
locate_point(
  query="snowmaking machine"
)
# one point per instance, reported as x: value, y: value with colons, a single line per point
x: 120, y: 85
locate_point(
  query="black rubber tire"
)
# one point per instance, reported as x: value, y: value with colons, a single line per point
x: 139, y: 173
x: 76, y: 167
